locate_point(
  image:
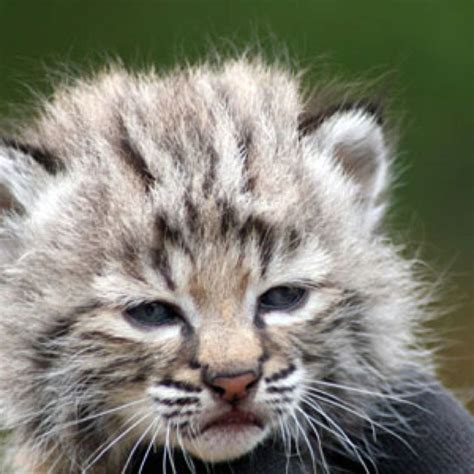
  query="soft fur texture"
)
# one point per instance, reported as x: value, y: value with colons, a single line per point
x: 202, y: 187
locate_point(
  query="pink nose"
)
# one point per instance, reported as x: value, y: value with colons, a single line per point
x: 235, y: 387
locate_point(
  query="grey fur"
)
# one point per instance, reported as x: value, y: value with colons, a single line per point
x: 195, y: 186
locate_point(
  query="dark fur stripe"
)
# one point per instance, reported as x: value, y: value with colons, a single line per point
x: 181, y: 401
x: 63, y: 326
x: 52, y: 164
x: 264, y: 234
x: 229, y: 221
x: 179, y: 414
x: 132, y: 156
x: 282, y: 374
x: 245, y: 147
x: 281, y: 389
x: 44, y: 347
x: 184, y: 386
x: 294, y: 240
x: 210, y: 176
x: 280, y: 400
x: 160, y: 260
x: 109, y: 338
x: 166, y: 233
x: 192, y: 215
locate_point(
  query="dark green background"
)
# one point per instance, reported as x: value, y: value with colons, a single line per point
x: 429, y: 46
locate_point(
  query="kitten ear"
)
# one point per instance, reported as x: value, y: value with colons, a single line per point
x: 24, y: 171
x: 354, y: 138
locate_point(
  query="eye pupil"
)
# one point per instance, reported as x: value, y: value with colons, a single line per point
x: 153, y: 314
x: 281, y: 298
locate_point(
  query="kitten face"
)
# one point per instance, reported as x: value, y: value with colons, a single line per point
x: 184, y: 264
x: 220, y: 331
x: 162, y: 372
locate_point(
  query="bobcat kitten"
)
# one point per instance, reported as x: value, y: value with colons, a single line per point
x: 194, y: 260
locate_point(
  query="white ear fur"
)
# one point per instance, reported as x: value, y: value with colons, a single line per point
x: 355, y: 139
x: 21, y: 178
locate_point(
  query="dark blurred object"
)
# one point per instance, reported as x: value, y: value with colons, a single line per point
x: 440, y: 440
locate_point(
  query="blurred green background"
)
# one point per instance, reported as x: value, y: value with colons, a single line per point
x: 428, y: 44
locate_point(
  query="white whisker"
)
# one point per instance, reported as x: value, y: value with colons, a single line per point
x: 344, y: 406
x: 187, y: 458
x: 306, y: 440
x: 135, y: 447
x: 115, y: 441
x: 343, y: 435
x: 318, y: 438
x: 370, y: 393
x: 150, y: 446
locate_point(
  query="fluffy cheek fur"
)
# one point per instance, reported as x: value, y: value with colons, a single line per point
x: 96, y: 374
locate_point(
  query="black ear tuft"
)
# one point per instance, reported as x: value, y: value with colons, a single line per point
x: 24, y: 172
x: 51, y: 163
x: 353, y: 137
x: 310, y: 120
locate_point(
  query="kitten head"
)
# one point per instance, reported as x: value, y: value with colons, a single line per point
x: 194, y: 260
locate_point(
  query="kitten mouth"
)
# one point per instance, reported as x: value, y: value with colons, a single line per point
x: 234, y: 419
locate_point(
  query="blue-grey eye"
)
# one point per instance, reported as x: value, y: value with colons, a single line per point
x: 154, y: 314
x: 281, y: 298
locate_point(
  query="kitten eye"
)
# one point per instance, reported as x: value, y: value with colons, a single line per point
x: 281, y: 298
x: 154, y: 314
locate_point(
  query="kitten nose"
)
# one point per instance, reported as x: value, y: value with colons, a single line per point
x: 233, y: 387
